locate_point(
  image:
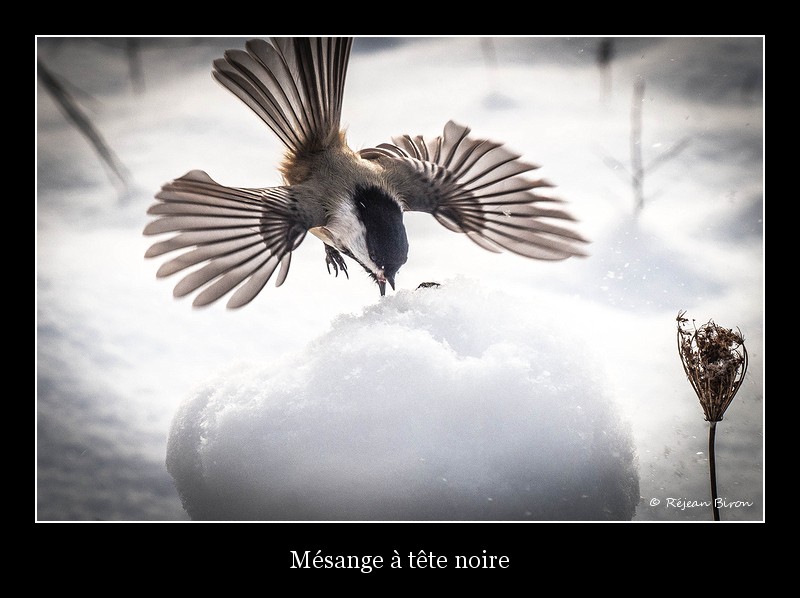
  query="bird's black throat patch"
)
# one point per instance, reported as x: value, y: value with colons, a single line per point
x: 386, y: 235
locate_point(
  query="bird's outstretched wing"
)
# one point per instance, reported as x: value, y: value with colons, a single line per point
x: 238, y: 234
x: 475, y: 186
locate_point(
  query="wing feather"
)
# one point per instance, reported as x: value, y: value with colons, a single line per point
x: 236, y: 237
x: 478, y: 187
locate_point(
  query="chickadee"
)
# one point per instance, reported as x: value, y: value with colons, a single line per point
x: 352, y: 200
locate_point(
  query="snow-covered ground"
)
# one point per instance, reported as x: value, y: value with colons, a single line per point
x: 117, y: 356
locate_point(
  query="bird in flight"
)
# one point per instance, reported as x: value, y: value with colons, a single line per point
x: 236, y: 238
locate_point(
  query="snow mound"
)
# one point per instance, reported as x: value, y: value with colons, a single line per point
x: 449, y: 403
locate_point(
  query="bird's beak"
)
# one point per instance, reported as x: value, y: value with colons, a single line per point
x: 379, y: 276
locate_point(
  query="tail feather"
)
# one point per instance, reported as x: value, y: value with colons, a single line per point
x: 295, y: 85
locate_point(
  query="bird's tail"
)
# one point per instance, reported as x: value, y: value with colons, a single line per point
x: 295, y: 85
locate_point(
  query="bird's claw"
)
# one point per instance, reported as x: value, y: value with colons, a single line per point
x: 334, y: 258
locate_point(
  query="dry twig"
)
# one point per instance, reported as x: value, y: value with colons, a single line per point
x: 715, y: 361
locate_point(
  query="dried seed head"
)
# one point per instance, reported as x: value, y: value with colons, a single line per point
x: 715, y: 361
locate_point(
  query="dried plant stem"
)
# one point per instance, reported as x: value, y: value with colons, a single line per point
x: 715, y: 362
x: 70, y: 108
x: 637, y: 177
x: 638, y: 168
x: 712, y: 468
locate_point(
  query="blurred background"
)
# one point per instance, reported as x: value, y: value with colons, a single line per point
x: 656, y: 143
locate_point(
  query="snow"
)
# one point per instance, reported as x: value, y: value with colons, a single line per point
x: 450, y: 403
x: 320, y: 384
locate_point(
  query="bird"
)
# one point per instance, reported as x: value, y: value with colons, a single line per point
x: 234, y: 239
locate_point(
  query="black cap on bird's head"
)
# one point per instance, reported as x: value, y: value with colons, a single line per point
x: 370, y: 230
x: 387, y: 243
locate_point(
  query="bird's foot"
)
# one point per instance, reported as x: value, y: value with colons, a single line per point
x: 334, y: 259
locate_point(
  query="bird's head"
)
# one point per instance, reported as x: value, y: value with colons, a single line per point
x: 369, y: 228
